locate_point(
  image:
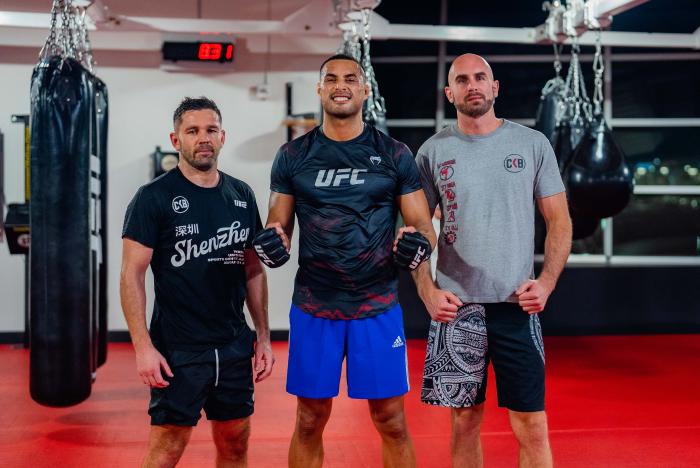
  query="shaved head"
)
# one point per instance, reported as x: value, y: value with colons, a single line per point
x: 468, y: 62
x: 471, y: 86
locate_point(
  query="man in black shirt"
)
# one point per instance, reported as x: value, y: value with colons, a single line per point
x: 194, y: 226
x: 345, y: 181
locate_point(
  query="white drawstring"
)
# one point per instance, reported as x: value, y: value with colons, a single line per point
x: 216, y: 354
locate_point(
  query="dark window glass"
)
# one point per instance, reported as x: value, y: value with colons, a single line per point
x: 409, y: 12
x: 662, y: 156
x: 656, y: 89
x: 658, y: 17
x: 413, y: 137
x: 658, y: 225
x: 408, y: 89
x: 399, y: 48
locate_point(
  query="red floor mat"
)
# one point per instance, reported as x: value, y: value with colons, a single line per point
x: 631, y: 401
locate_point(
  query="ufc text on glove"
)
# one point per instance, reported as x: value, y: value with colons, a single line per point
x: 269, y: 248
x: 412, y: 250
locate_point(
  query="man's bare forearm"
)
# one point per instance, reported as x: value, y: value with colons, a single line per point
x: 133, y: 300
x: 423, y: 277
x: 256, y: 299
x: 557, y: 247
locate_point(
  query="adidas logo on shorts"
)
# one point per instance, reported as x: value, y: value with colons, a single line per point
x: 397, y: 342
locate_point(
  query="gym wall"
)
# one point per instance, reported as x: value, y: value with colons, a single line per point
x: 141, y: 106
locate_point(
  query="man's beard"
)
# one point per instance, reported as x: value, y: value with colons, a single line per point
x: 474, y: 111
x: 201, y: 163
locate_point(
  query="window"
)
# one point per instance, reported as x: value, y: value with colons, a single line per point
x: 656, y: 88
x: 662, y: 156
x: 659, y: 225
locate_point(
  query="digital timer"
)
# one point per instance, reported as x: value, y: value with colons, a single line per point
x: 198, y: 51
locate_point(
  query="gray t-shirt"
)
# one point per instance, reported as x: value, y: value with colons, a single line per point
x: 486, y: 186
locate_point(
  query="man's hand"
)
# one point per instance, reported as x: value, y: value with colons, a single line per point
x: 264, y: 360
x: 411, y: 248
x: 533, y: 295
x: 272, y: 245
x: 442, y: 305
x: 148, y: 365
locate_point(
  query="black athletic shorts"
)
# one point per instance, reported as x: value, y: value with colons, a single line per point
x: 459, y: 353
x: 220, y: 381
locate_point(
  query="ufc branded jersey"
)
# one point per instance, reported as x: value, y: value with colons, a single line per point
x: 198, y: 236
x: 346, y: 204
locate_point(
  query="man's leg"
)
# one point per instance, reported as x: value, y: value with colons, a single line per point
x: 531, y: 431
x: 389, y: 419
x: 166, y: 445
x: 306, y: 448
x: 466, y: 439
x: 231, y: 440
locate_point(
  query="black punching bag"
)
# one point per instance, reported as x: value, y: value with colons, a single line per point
x: 551, y: 103
x: 60, y: 257
x: 599, y: 181
x: 563, y: 142
x: 101, y: 109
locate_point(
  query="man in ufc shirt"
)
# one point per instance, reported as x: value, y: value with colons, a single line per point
x: 345, y: 181
x: 194, y: 226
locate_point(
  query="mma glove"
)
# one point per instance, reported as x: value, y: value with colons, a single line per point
x: 412, y: 249
x: 269, y: 248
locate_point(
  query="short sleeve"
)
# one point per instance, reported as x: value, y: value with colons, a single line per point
x: 548, y: 180
x: 408, y: 177
x: 281, y: 177
x: 255, y: 221
x: 427, y: 181
x: 141, y: 219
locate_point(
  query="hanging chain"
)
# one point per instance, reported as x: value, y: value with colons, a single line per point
x: 66, y: 32
x: 557, y: 58
x: 51, y: 46
x: 598, y: 70
x: 376, y: 109
x: 69, y: 39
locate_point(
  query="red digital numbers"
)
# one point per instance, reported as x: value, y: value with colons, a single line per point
x: 211, y: 51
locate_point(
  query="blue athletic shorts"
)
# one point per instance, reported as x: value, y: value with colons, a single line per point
x: 375, y: 348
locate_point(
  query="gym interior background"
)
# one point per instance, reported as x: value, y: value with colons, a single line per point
x: 637, y: 273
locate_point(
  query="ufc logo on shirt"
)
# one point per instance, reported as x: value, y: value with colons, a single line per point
x: 336, y: 177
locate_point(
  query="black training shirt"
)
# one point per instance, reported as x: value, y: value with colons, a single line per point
x: 198, y: 236
x: 345, y: 196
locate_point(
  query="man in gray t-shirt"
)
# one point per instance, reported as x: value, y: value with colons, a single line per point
x: 486, y: 175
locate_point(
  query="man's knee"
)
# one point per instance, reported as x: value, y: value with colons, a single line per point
x: 467, y: 421
x: 312, y: 416
x: 388, y: 417
x: 231, y: 438
x: 166, y: 445
x: 530, y: 428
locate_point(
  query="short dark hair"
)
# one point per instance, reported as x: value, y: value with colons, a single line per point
x: 344, y: 57
x: 192, y: 104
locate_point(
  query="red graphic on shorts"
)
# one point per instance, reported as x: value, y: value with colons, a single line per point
x: 450, y: 217
x: 450, y: 237
x: 450, y: 195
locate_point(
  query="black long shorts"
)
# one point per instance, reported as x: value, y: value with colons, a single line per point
x: 220, y: 381
x: 459, y: 353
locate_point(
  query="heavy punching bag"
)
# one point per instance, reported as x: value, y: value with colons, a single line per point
x: 67, y: 214
x: 599, y: 181
x: 61, y: 358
